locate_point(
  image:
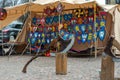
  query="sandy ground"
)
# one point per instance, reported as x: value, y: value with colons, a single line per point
x: 43, y: 68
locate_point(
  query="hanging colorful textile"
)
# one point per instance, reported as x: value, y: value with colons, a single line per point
x: 48, y: 11
x: 60, y: 8
x: 102, y: 34
x: 84, y: 37
x: 73, y: 21
x: 95, y: 35
x: 102, y: 24
x: 35, y: 34
x: 67, y: 17
x: 33, y: 40
x: 78, y: 37
x: 42, y: 21
x: 90, y: 37
x: 55, y: 19
x: 90, y: 27
x: 49, y: 20
x: 82, y: 27
x: 34, y: 20
x: 76, y: 28
x: 79, y: 20
x: 38, y: 21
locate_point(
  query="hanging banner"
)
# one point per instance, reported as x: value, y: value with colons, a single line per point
x: 95, y: 35
x: 82, y: 27
x: 76, y: 28
x: 102, y: 24
x: 33, y: 40
x: 102, y: 34
x: 90, y: 37
x: 67, y: 17
x: 35, y: 34
x: 79, y: 38
x: 84, y: 37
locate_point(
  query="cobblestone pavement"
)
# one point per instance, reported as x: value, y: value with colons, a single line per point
x: 43, y: 68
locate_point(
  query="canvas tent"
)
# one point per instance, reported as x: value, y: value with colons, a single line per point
x: 115, y: 12
x: 15, y: 12
x: 39, y: 5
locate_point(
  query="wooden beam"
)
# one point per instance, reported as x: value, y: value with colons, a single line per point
x: 107, y: 68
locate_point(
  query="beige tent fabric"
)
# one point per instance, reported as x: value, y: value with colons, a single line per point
x: 23, y: 34
x: 9, y: 19
x: 107, y: 7
x: 117, y: 24
x: 14, y: 13
x: 42, y: 2
x: 116, y: 20
x: 40, y: 8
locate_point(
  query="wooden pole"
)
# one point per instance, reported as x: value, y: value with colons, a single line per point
x: 95, y: 29
x: 61, y: 62
x: 107, y: 68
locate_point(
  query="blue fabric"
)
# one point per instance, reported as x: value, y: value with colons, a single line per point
x: 67, y: 17
x: 102, y: 34
x: 90, y: 27
x: 34, y: 20
x: 55, y: 19
x: 49, y: 20
x: 33, y: 40
x: 82, y: 27
x: 84, y: 37
x: 35, y: 34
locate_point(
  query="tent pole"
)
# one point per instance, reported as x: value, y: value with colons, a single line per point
x: 95, y: 29
x: 30, y: 21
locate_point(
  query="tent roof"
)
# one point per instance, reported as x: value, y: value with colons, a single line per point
x: 15, y: 12
x: 42, y: 2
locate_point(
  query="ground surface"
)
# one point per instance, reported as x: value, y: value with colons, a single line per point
x: 43, y: 68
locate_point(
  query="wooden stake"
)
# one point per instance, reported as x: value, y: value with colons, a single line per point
x: 107, y: 68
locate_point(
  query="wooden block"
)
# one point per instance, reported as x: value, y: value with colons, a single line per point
x: 61, y: 64
x: 107, y: 68
x: 64, y: 64
x: 58, y: 63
